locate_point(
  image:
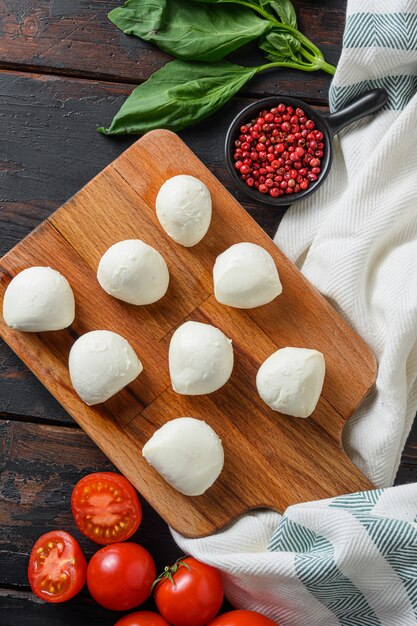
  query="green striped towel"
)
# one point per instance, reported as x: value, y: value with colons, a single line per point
x: 352, y: 560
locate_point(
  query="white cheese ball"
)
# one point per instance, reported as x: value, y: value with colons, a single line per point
x: 187, y: 453
x: 183, y: 208
x: 200, y: 359
x: 101, y: 363
x: 290, y: 381
x: 133, y: 272
x: 39, y: 299
x: 245, y: 276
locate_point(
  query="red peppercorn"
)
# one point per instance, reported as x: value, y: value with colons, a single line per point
x: 279, y: 152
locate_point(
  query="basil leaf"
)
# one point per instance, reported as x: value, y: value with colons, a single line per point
x: 285, y: 11
x: 190, y: 31
x: 179, y: 95
x: 280, y: 46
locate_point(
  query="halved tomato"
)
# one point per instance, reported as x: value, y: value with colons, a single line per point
x: 57, y: 567
x: 106, y: 507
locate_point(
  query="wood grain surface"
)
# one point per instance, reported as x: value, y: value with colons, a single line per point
x: 303, y: 459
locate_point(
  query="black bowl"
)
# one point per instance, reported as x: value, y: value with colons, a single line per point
x: 328, y: 124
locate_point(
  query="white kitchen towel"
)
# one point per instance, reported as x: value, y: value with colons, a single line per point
x: 352, y: 560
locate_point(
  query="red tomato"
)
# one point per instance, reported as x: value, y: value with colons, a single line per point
x: 120, y: 576
x: 189, y: 593
x: 57, y: 567
x: 242, y: 618
x: 142, y: 618
x: 106, y: 507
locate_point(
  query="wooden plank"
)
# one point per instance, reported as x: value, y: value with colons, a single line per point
x: 303, y: 460
x: 40, y: 465
x: 22, y: 608
x: 76, y: 38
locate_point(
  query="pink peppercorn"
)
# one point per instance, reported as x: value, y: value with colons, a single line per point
x: 279, y: 152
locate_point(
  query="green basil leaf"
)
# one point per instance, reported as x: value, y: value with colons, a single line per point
x: 270, y: 52
x: 285, y: 11
x: 280, y: 46
x: 187, y: 30
x: 179, y: 95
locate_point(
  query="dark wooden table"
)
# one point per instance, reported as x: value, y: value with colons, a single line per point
x: 64, y: 70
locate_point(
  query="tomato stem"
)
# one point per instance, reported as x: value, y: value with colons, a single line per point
x: 169, y: 570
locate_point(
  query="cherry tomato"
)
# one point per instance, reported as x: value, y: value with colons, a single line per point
x: 242, y: 618
x: 189, y: 593
x: 142, y: 618
x: 120, y: 576
x: 57, y: 567
x: 106, y: 507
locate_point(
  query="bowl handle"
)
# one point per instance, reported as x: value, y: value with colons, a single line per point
x: 369, y: 102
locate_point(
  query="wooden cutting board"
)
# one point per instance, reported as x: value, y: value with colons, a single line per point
x: 271, y: 460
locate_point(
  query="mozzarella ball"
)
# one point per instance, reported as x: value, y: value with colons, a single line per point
x: 200, y: 359
x: 291, y: 380
x: 183, y: 208
x: 133, y: 272
x: 245, y: 276
x: 101, y: 363
x: 187, y: 453
x: 39, y: 299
